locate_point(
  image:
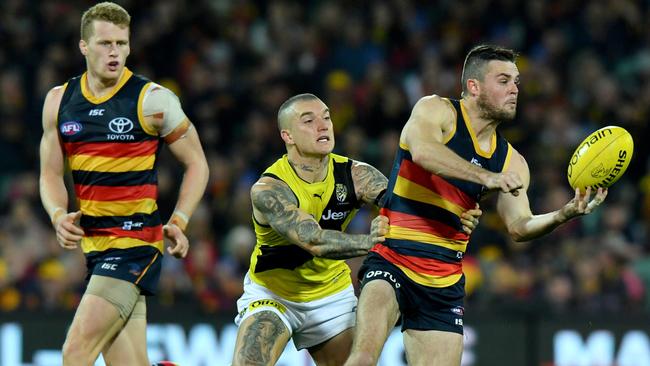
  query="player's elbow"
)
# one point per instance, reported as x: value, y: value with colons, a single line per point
x: 419, y: 157
x: 315, y: 250
x: 518, y: 234
x: 517, y: 237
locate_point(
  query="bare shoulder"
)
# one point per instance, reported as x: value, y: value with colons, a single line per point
x: 435, y: 104
x: 518, y: 164
x: 431, y: 115
x: 517, y: 161
x: 51, y: 104
x: 53, y: 97
x: 267, y: 192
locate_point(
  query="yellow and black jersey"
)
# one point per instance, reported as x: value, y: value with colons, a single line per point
x: 112, y: 155
x: 425, y: 238
x: 287, y: 269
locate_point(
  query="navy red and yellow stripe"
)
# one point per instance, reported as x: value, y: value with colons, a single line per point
x: 425, y: 238
x: 114, y: 170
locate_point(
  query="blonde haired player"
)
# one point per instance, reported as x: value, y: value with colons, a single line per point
x: 109, y: 125
x: 450, y: 155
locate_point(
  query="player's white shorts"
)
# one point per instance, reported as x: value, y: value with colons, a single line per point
x: 310, y: 323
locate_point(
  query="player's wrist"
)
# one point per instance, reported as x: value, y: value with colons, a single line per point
x: 58, y: 213
x: 179, y: 219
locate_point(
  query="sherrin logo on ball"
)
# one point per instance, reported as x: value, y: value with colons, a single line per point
x: 601, y: 158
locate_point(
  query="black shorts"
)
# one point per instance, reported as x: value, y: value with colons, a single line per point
x: 421, y: 307
x: 140, y: 266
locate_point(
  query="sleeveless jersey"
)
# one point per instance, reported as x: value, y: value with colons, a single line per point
x: 112, y: 155
x: 287, y: 269
x: 425, y: 238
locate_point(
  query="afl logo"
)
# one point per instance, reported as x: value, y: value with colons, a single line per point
x: 120, y: 125
x: 70, y: 128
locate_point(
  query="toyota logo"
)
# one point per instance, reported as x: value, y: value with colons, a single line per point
x: 120, y: 125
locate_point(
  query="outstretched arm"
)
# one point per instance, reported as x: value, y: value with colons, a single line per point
x: 274, y: 204
x: 432, y: 119
x: 520, y: 221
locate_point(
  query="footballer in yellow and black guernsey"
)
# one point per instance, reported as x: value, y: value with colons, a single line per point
x: 298, y: 285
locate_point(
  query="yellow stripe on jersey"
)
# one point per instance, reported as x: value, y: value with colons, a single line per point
x: 430, y: 280
x: 102, y: 243
x: 398, y: 232
x: 453, y: 131
x: 103, y: 164
x: 150, y: 130
x: 126, y: 75
x: 506, y: 162
x: 413, y: 191
x: 477, y: 146
x: 118, y: 208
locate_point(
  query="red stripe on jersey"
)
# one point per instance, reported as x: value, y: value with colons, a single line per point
x: 149, y: 234
x: 121, y: 193
x: 448, y: 191
x: 423, y: 225
x: 428, y: 266
x: 111, y: 149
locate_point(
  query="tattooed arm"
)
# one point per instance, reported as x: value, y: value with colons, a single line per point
x: 369, y: 183
x: 275, y: 204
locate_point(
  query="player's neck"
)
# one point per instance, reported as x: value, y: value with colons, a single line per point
x: 483, y: 128
x: 309, y: 168
x: 99, y: 86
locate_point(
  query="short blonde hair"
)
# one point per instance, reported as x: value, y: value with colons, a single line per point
x: 106, y: 11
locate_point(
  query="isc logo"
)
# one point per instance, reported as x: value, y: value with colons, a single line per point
x: 109, y: 266
x: 96, y: 112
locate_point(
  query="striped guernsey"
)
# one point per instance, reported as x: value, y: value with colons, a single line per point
x: 112, y: 155
x: 425, y: 238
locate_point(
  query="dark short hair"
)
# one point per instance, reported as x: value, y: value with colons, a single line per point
x: 479, y: 56
x: 282, y: 112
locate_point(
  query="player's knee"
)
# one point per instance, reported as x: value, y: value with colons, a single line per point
x: 75, y: 353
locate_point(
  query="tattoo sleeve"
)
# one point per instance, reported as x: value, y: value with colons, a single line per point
x: 278, y: 204
x: 369, y: 183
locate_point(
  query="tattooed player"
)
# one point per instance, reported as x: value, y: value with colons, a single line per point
x: 298, y: 285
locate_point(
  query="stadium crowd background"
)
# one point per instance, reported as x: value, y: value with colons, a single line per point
x: 584, y: 65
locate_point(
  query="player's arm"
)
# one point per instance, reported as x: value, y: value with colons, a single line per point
x: 369, y: 184
x: 516, y: 213
x: 163, y: 112
x: 54, y: 195
x: 275, y: 204
x: 431, y: 120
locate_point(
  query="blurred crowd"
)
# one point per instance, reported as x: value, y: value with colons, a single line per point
x: 584, y: 65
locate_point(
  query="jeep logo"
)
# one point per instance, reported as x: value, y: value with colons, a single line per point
x: 330, y: 215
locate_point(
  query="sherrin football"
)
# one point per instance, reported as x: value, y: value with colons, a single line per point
x: 601, y: 159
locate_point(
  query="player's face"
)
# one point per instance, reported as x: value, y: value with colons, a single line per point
x: 106, y: 50
x: 312, y: 129
x: 498, y: 94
